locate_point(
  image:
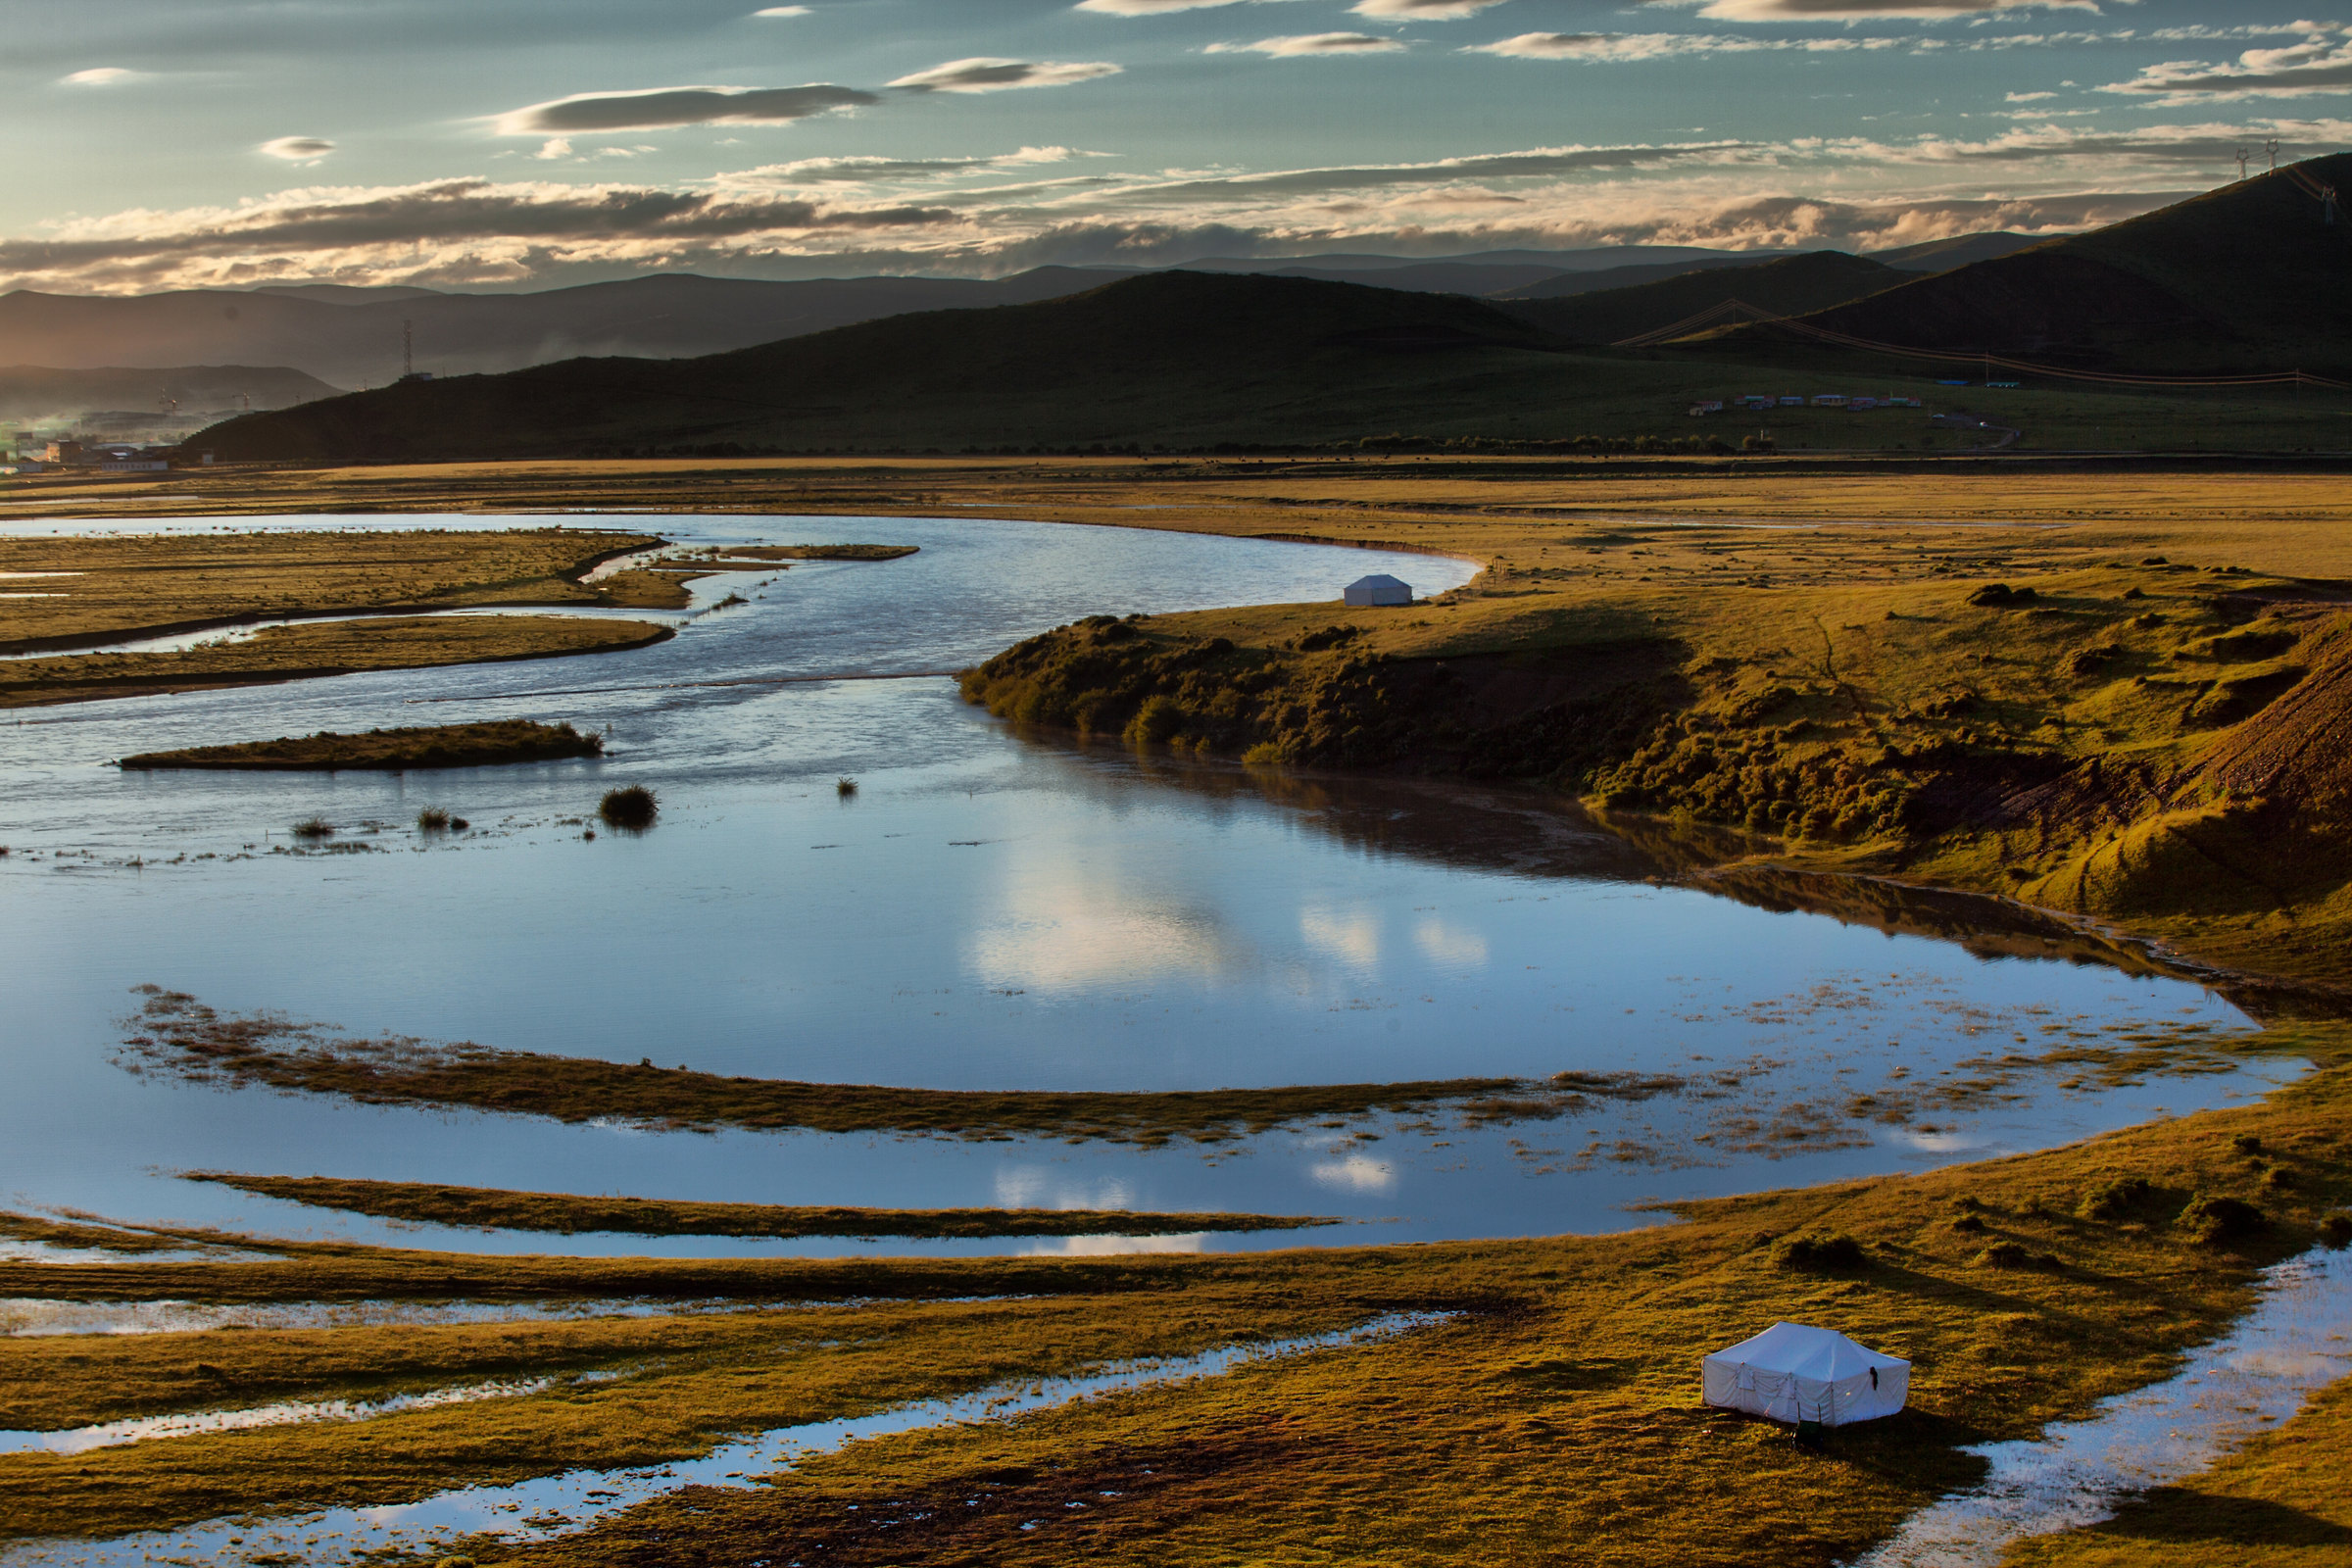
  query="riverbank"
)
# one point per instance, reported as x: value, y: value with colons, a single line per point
x: 1556, y: 1413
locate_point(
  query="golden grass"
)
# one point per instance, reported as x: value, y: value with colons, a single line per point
x: 570, y: 1213
x: 145, y: 585
x: 2276, y: 1504
x: 1556, y: 1417
x: 492, y: 740
x: 306, y: 651
x: 177, y: 1035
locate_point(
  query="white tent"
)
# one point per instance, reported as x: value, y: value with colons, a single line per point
x: 1791, y: 1372
x: 1378, y: 589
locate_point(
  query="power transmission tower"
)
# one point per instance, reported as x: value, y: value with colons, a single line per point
x: 2243, y: 155
x: 2271, y: 148
x: 408, y: 329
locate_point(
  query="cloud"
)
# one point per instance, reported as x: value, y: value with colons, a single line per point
x: 659, y: 107
x: 874, y: 170
x: 1152, y: 7
x: 781, y: 11
x: 465, y: 229
x: 2321, y: 64
x: 1313, y: 43
x: 983, y: 73
x: 1422, y: 10
x: 298, y: 149
x: 98, y: 77
x: 1863, y: 10
x: 553, y: 148
x: 1621, y: 47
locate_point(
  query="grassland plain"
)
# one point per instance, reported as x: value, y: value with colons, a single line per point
x: 1557, y: 1420
x: 1554, y: 1419
x: 94, y: 591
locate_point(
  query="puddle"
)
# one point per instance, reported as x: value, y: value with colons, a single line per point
x: 2296, y: 1342
x: 17, y: 1250
x: 144, y: 1429
x: 557, y: 1506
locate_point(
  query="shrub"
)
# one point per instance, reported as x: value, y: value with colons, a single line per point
x: 632, y: 807
x: 432, y: 819
x: 313, y: 828
x: 1821, y: 1252
x: 2118, y: 1199
x: 2337, y: 1230
x: 2212, y: 1221
x: 2012, y: 1255
x: 844, y: 786
x: 1158, y: 720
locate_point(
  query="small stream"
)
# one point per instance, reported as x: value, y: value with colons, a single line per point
x: 2296, y: 1342
x: 284, y: 1413
x: 549, y: 1506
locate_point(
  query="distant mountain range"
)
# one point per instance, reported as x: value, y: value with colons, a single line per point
x: 2253, y: 277
x: 173, y: 396
x: 354, y: 337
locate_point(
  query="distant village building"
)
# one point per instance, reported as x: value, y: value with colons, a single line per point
x: 1378, y: 589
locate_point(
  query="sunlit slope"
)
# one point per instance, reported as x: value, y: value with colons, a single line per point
x: 2250, y: 277
x: 1164, y: 357
x: 1791, y: 286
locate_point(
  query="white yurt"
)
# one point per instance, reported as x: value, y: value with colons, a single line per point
x: 1378, y: 589
x: 1791, y: 1372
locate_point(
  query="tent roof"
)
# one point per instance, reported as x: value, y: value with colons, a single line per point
x: 1811, y: 1353
x: 1379, y: 579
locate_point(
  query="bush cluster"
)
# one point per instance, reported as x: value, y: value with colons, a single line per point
x: 1759, y: 780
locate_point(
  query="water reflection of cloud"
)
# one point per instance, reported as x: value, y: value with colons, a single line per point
x: 1451, y: 944
x: 1117, y: 1246
x: 1357, y: 1173
x: 1352, y: 939
x: 1027, y: 1187
x: 1073, y: 928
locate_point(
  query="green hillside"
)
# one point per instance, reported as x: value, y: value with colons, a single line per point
x: 1791, y: 286
x: 2246, y: 278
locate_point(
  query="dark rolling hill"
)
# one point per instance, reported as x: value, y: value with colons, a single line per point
x: 1789, y: 286
x: 353, y: 337
x: 1160, y: 358
x: 2244, y: 280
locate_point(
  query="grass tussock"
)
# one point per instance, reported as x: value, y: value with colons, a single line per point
x: 632, y: 807
x: 570, y: 1214
x: 499, y: 741
x: 176, y: 1034
x: 313, y: 828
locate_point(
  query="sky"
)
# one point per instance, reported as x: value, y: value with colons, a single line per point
x: 535, y: 143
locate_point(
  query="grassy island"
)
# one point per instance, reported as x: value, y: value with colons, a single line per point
x: 514, y: 740
x: 176, y: 1034
x: 341, y: 595
x: 568, y: 1215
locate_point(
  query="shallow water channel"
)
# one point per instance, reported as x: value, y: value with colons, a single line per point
x: 988, y: 910
x: 549, y: 1506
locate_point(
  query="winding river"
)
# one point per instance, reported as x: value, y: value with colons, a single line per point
x: 988, y: 910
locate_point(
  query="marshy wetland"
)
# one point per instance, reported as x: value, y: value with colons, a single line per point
x: 793, y: 1031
